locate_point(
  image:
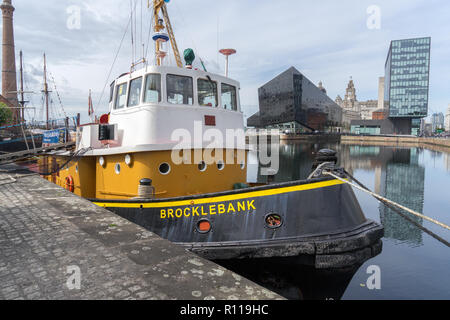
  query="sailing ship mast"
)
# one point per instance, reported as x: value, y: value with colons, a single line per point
x: 22, y: 99
x: 46, y: 92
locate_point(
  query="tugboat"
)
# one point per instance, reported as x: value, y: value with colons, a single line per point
x: 194, y: 192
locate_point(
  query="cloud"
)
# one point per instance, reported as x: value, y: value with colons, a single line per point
x: 327, y: 41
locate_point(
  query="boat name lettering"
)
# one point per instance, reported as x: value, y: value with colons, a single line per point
x: 212, y: 209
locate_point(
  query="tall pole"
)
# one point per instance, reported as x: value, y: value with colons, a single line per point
x: 227, y: 53
x: 45, y: 91
x: 226, y: 66
x: 22, y: 100
x: 22, y: 103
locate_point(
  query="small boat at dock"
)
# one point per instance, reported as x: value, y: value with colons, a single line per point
x: 138, y: 162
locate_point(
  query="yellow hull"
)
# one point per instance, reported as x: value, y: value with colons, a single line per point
x: 116, y: 179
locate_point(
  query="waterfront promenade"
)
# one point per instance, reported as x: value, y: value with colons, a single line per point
x: 435, y: 144
x: 55, y: 245
x: 388, y: 140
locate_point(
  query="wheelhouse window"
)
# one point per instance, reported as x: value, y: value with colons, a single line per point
x: 207, y: 93
x: 229, y: 100
x: 121, y: 96
x: 152, y: 93
x: 135, y: 92
x: 179, y: 89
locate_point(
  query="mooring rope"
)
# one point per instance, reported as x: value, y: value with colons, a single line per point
x: 383, y: 199
x: 74, y: 157
x: 402, y: 214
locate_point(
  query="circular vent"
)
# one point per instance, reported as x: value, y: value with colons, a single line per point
x: 273, y: 220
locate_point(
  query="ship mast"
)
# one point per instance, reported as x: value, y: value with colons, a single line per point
x: 22, y: 98
x: 159, y: 37
x: 46, y: 92
x: 22, y: 102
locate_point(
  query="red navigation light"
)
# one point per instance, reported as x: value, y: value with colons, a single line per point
x: 104, y: 119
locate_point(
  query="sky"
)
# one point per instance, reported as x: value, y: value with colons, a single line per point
x: 327, y: 40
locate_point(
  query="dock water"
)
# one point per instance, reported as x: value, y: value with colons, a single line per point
x: 56, y: 245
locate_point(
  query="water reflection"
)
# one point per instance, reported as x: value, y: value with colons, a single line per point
x: 404, y: 184
x: 292, y: 280
x: 295, y: 161
x: 447, y: 161
x: 398, y: 177
x: 397, y: 173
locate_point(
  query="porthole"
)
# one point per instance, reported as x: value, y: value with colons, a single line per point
x: 220, y: 165
x: 117, y: 168
x: 164, y: 168
x: 101, y: 161
x: 203, y: 226
x: 128, y: 160
x: 202, y: 166
x: 273, y: 220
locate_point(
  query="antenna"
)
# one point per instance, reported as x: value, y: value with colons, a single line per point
x: 227, y: 53
x: 90, y: 107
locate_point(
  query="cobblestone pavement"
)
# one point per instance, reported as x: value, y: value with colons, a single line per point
x: 55, y: 245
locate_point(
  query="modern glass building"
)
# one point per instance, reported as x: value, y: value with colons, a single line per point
x: 407, y: 71
x: 292, y: 103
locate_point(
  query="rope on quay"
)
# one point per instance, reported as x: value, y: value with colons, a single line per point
x: 382, y: 199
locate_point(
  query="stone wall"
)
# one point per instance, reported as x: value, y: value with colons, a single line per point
x: 397, y: 139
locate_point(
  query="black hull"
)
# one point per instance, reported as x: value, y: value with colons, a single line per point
x: 321, y: 223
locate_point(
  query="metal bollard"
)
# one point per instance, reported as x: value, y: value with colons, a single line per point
x: 145, y: 189
x: 324, y: 155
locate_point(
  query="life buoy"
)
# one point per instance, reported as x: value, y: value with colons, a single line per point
x: 69, y: 183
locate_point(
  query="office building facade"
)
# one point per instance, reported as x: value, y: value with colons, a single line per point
x: 437, y: 122
x: 406, y: 81
x: 447, y: 119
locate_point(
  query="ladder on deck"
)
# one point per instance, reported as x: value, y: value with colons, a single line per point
x: 23, y: 155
